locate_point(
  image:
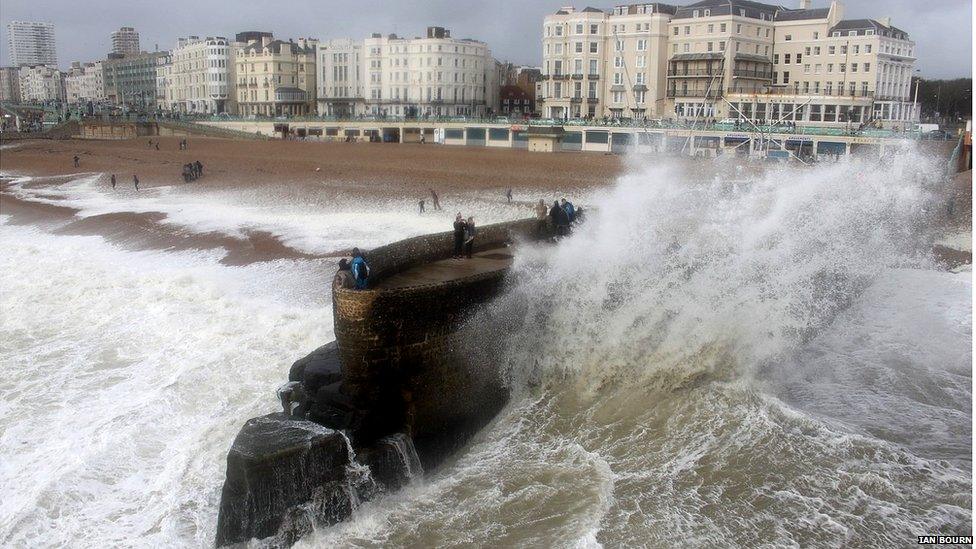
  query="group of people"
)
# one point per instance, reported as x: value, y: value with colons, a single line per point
x: 561, y: 215
x: 150, y: 145
x: 183, y: 144
x: 464, y: 233
x: 353, y: 274
x: 192, y: 171
x: 135, y: 181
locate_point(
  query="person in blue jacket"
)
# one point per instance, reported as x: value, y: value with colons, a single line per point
x: 570, y: 210
x: 360, y: 270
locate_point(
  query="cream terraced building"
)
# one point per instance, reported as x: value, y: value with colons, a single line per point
x: 274, y: 77
x: 718, y: 59
x: 41, y: 84
x: 200, y: 76
x: 85, y: 82
x: 598, y: 64
x: 436, y: 75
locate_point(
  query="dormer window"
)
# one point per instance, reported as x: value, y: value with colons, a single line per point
x: 869, y: 32
x: 694, y: 13
x: 708, y: 12
x: 851, y: 33
x: 836, y: 33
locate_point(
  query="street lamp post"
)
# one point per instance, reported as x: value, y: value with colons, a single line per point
x: 918, y: 82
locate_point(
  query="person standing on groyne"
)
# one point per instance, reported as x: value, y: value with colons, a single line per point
x: 508, y: 195
x: 360, y: 270
x: 458, y: 235
x: 470, y: 231
x: 76, y: 161
x: 344, y: 277
x: 559, y: 218
x: 421, y: 205
x: 113, y: 181
x: 541, y: 213
x: 434, y: 200
x: 135, y: 181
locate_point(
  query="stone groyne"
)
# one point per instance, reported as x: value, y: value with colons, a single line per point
x: 393, y: 396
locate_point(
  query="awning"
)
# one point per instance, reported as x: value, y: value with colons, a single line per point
x: 753, y: 57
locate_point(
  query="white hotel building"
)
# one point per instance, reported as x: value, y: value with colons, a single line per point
x: 199, y: 77
x: 388, y: 75
x: 717, y: 59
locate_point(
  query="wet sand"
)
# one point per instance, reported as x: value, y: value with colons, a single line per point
x: 366, y: 170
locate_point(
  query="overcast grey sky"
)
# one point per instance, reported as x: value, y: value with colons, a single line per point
x: 512, y: 28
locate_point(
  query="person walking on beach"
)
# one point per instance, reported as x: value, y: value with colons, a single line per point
x: 113, y: 181
x: 508, y: 195
x: 421, y: 205
x: 149, y: 145
x: 157, y: 145
x: 76, y: 160
x: 470, y: 231
x: 360, y: 270
x: 434, y: 200
x: 135, y: 181
x: 459, y: 226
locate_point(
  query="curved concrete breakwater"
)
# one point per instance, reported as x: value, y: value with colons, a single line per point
x: 392, y: 396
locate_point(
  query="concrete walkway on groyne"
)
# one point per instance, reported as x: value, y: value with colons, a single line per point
x: 445, y: 270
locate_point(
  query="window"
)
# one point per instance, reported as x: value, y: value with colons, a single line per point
x: 816, y: 68
x: 799, y: 58
x: 843, y: 50
x: 786, y: 77
x: 867, y: 67
x: 577, y: 46
x: 559, y: 30
x: 806, y: 69
x: 869, y: 33
x: 738, y: 28
x: 641, y: 62
x: 786, y: 58
x: 639, y: 79
x: 843, y: 67
x: 816, y: 50
x: 593, y: 47
x: 788, y: 37
x: 707, y: 12
x: 853, y: 67
x: 836, y: 33
x: 594, y: 29
x: 618, y: 97
x: 767, y: 33
x: 591, y: 90
x: 577, y: 66
x: 721, y: 28
x: 775, y: 58
x: 579, y: 28
x: 831, y: 50
x: 709, y: 46
x: 867, y: 48
x: 618, y: 78
x: 686, y: 48
x: 851, y: 33
x: 618, y: 62
x: 694, y: 13
x: 721, y: 46
x: 618, y: 45
x: 816, y: 35
x: 830, y: 67
x: 806, y: 87
x: 687, y: 31
x: 642, y: 45
x: 711, y: 28
x: 676, y: 31
x: 559, y: 51
x: 593, y: 67
x: 806, y: 50
x: 674, y: 48
x: 857, y: 49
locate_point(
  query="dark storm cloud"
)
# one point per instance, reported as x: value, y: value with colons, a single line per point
x: 512, y: 28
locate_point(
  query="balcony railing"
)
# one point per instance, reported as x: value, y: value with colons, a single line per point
x: 746, y: 73
x: 712, y: 94
x: 577, y: 77
x: 796, y: 91
x: 593, y: 76
x: 701, y: 72
x: 576, y: 99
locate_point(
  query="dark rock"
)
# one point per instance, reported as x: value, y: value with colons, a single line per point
x: 283, y: 475
x: 322, y: 354
x: 393, y: 461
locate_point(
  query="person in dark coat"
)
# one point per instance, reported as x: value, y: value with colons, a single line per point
x: 559, y: 218
x: 470, y: 231
x: 344, y: 277
x: 199, y: 168
x: 76, y: 160
x: 113, y: 180
x: 459, y: 226
x: 135, y: 181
